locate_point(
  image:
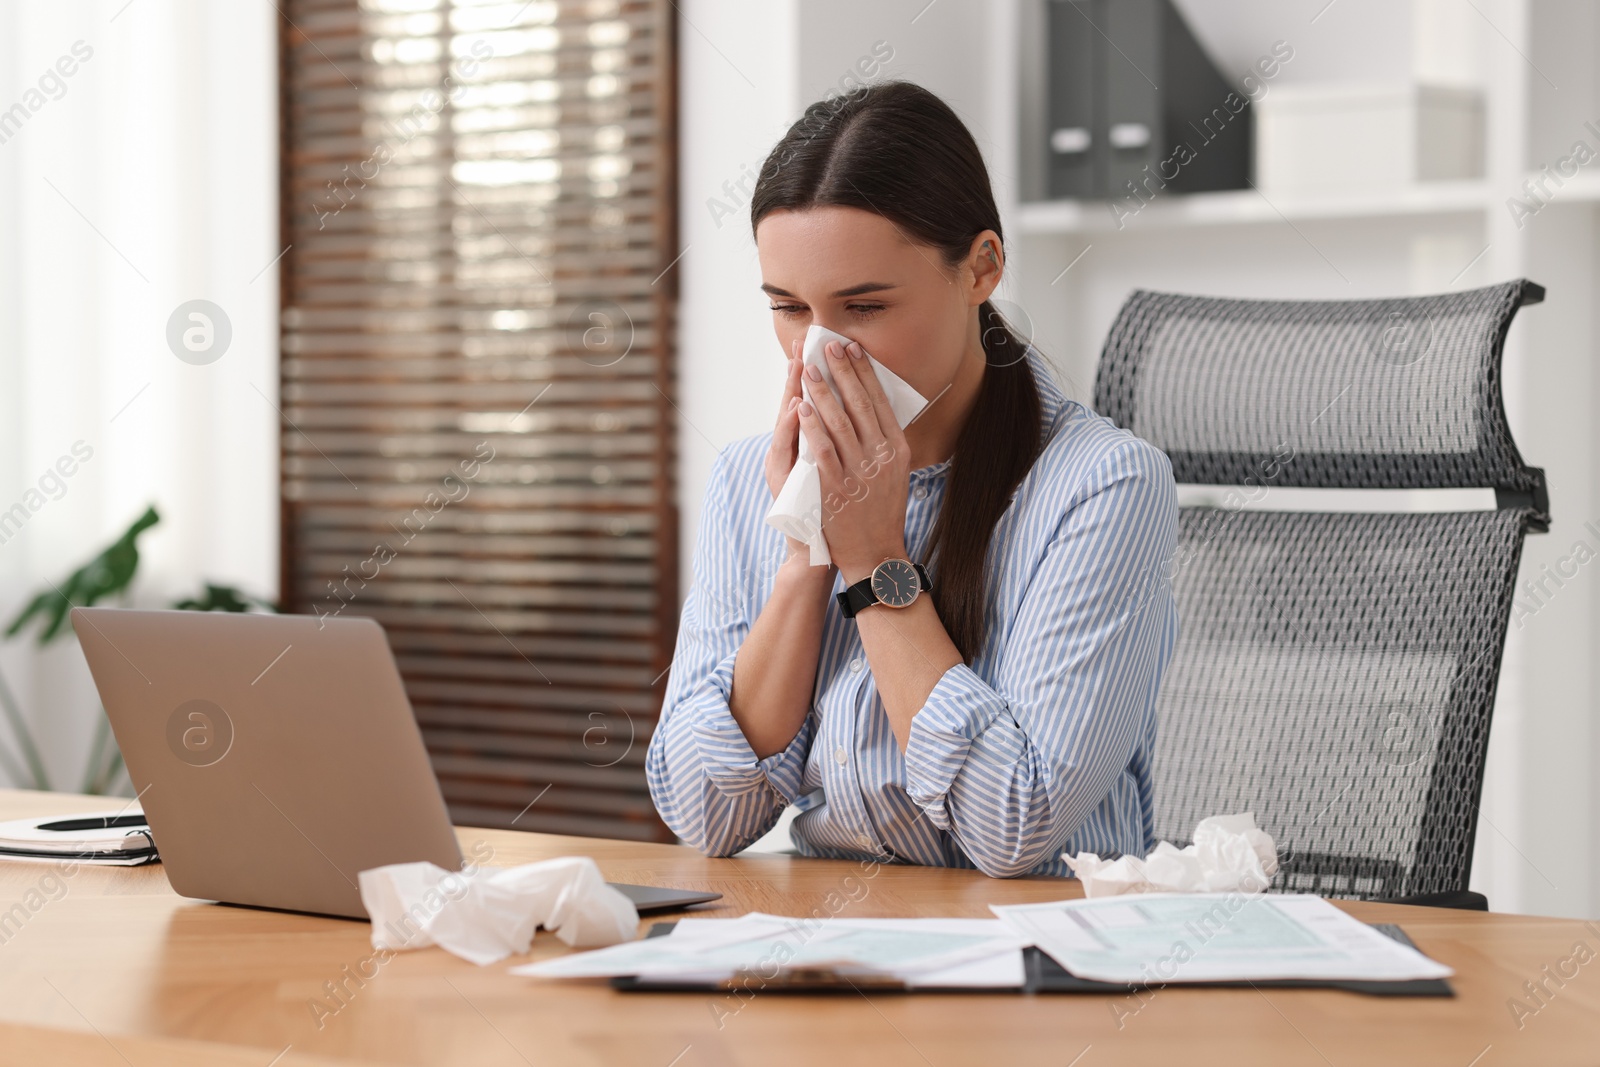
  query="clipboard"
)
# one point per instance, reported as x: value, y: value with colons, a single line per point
x: 1041, y: 974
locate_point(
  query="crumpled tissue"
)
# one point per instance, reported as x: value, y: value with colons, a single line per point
x: 1230, y: 854
x: 484, y: 915
x: 797, y: 511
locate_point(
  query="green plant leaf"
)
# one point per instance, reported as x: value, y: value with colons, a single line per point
x: 109, y: 573
x: 106, y: 575
x: 223, y: 598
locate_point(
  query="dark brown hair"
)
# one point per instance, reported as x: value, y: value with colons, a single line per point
x: 897, y: 150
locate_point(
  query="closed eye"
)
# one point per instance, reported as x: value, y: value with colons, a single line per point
x: 861, y: 311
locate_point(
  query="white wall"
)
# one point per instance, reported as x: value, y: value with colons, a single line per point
x: 151, y: 181
x: 738, y: 92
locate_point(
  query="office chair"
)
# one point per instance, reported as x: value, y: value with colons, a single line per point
x: 1336, y: 671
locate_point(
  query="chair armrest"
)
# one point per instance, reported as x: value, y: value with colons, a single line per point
x: 1463, y: 899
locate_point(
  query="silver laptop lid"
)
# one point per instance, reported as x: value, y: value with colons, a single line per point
x: 276, y: 756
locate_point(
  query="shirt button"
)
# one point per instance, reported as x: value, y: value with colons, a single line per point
x: 920, y: 492
x: 841, y: 757
x: 863, y: 840
x: 855, y: 664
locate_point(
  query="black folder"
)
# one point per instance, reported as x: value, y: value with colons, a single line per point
x: 1127, y: 83
x: 1041, y: 974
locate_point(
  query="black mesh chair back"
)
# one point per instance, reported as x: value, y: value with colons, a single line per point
x: 1336, y: 671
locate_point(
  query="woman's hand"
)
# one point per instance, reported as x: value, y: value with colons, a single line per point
x: 864, y: 464
x: 786, y: 432
x: 786, y: 441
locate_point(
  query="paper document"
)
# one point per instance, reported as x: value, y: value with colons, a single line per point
x: 716, y: 949
x: 1154, y: 938
x: 1002, y: 969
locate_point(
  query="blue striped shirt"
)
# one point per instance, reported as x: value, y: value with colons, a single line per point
x: 1041, y: 745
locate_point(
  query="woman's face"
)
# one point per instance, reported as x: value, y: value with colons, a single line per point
x: 856, y: 274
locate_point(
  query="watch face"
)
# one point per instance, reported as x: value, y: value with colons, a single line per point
x: 895, y: 582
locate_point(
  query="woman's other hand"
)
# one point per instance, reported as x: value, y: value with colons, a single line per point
x: 786, y: 440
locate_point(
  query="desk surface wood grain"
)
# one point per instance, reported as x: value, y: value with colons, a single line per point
x: 110, y: 966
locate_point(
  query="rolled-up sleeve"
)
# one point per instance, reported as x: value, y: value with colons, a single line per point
x: 705, y: 779
x: 1012, y: 769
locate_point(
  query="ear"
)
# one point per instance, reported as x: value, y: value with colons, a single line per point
x: 986, y: 261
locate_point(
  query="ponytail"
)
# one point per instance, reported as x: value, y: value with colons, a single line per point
x: 997, y: 447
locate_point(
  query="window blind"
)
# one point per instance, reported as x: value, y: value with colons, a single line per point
x: 476, y: 385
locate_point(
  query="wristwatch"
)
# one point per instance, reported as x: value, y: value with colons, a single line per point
x: 895, y: 583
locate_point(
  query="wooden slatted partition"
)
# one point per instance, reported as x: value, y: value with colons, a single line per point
x: 477, y: 446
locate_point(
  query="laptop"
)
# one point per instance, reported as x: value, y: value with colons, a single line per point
x: 275, y: 756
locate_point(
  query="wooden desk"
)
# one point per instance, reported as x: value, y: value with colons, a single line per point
x: 110, y: 967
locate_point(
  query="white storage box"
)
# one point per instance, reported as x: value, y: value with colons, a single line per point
x: 1324, y: 138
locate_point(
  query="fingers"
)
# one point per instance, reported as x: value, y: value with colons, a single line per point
x: 791, y: 380
x: 840, y: 412
x: 893, y: 435
x: 862, y: 394
x: 786, y: 430
x: 788, y: 424
x: 853, y: 426
x: 821, y: 441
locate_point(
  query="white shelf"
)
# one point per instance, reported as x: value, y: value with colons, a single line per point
x: 1246, y: 206
x: 1582, y: 187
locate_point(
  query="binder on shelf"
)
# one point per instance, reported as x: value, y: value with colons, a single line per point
x: 1136, y: 107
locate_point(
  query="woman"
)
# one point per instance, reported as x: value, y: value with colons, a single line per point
x: 1008, y: 714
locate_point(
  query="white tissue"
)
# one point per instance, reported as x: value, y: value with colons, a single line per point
x: 484, y: 915
x: 1230, y: 854
x: 797, y: 511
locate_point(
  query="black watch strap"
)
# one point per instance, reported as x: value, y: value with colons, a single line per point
x: 860, y: 595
